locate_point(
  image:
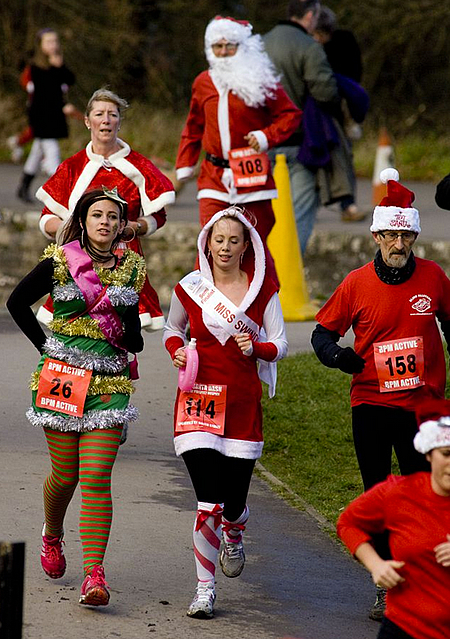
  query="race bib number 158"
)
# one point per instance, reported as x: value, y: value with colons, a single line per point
x: 399, y: 364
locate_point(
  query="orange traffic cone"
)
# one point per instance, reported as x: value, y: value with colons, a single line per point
x: 384, y: 159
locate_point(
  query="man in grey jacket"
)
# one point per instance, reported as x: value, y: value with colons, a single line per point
x: 304, y: 70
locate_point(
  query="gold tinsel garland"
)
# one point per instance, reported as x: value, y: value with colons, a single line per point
x: 61, y: 270
x: 120, y: 276
x: 81, y: 327
x: 99, y: 384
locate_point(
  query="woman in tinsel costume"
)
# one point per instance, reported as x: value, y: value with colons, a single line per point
x: 82, y: 384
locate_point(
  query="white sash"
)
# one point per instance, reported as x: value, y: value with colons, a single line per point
x: 229, y: 317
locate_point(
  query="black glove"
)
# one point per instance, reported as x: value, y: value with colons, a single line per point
x: 349, y: 362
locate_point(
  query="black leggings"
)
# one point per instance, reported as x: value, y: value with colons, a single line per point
x: 376, y: 431
x: 390, y: 630
x: 218, y: 479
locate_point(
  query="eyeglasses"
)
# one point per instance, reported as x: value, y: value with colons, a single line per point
x: 228, y: 46
x: 391, y: 236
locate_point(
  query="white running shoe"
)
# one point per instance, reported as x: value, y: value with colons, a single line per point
x: 202, y: 606
x: 232, y: 558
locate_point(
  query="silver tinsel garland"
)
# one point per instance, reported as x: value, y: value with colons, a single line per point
x: 69, y: 291
x: 92, y: 420
x: 90, y: 360
x: 122, y: 295
x: 118, y: 295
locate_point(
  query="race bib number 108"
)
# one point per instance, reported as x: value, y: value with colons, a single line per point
x: 249, y: 167
x: 399, y: 364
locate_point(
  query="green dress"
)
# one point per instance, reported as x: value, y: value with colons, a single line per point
x: 81, y: 343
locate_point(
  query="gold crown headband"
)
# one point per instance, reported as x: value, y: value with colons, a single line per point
x: 113, y: 194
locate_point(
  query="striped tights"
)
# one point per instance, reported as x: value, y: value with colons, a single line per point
x: 89, y: 458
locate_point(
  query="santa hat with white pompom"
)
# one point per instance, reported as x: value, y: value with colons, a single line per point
x: 395, y: 211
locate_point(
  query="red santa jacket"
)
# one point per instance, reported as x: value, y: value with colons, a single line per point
x: 138, y: 181
x: 217, y: 122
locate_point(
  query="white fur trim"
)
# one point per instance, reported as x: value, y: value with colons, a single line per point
x: 44, y: 316
x: 152, y: 225
x: 42, y: 222
x: 433, y: 434
x: 262, y: 140
x: 223, y: 119
x: 121, y: 153
x: 151, y: 324
x: 185, y: 172
x: 389, y: 174
x: 52, y: 205
x: 258, y: 276
x: 239, y: 198
x: 228, y: 447
x: 91, y: 169
x: 229, y: 29
x: 132, y: 173
x: 396, y: 219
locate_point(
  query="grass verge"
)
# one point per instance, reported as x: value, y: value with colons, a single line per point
x: 308, y: 438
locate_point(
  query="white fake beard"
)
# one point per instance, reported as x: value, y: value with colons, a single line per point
x: 249, y: 73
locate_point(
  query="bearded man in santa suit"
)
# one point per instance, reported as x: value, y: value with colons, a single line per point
x: 238, y: 111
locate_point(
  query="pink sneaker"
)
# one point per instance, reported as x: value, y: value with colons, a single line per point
x: 53, y: 561
x: 94, y: 588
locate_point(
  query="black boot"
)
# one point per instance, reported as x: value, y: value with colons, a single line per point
x: 23, y: 192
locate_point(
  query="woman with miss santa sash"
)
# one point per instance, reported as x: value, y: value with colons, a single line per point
x: 108, y: 161
x: 230, y: 305
x: 238, y: 111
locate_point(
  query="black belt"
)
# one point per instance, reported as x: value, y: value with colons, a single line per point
x: 214, y: 159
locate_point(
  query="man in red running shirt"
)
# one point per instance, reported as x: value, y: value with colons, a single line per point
x: 392, y: 305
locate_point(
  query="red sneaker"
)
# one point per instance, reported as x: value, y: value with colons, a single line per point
x: 53, y: 561
x: 94, y: 588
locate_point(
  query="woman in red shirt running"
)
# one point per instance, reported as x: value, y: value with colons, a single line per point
x: 415, y: 510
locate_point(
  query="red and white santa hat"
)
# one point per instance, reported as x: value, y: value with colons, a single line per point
x: 395, y: 211
x: 433, y: 434
x: 232, y: 30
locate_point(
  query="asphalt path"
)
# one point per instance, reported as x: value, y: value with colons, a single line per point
x: 435, y: 222
x: 298, y: 580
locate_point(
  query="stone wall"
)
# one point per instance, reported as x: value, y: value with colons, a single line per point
x: 170, y: 254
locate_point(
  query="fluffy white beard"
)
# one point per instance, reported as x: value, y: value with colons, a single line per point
x: 249, y: 73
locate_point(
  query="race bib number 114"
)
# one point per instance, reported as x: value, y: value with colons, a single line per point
x: 202, y: 409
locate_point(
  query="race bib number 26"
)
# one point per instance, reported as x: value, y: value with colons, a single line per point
x: 399, y: 364
x: 63, y: 388
x: 202, y: 409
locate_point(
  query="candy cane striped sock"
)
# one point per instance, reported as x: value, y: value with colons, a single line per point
x: 206, y: 536
x: 232, y: 530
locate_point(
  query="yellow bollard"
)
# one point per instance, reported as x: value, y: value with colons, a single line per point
x: 284, y: 245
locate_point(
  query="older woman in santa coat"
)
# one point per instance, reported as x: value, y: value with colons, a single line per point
x: 109, y: 161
